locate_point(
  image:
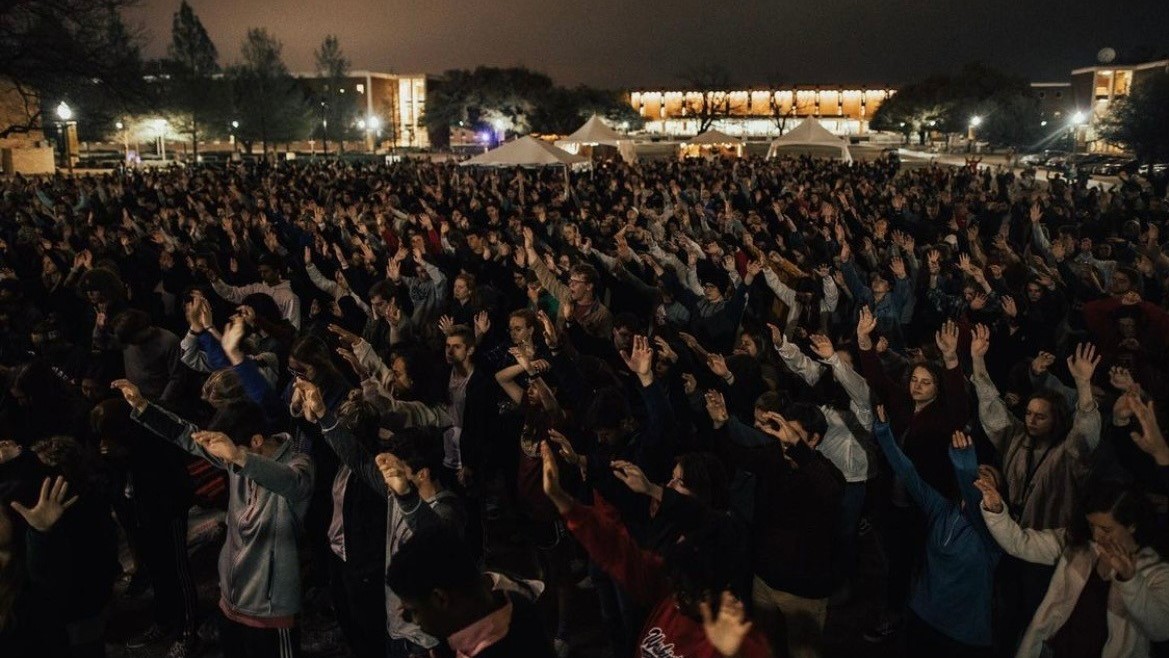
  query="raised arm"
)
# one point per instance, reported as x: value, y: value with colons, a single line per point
x: 930, y: 501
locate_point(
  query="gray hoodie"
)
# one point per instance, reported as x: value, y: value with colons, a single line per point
x: 259, y: 570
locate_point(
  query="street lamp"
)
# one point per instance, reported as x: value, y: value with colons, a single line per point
x: 975, y: 121
x: 125, y: 140
x: 231, y: 137
x: 161, y: 124
x: 64, y: 126
x: 1078, y: 119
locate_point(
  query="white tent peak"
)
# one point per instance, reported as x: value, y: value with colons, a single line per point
x: 524, y: 152
x: 594, y: 131
x: 810, y: 136
x: 715, y: 137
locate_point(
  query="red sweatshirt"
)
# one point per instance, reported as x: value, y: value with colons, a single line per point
x: 667, y: 632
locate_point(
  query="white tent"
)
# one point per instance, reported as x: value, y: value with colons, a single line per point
x: 525, y: 152
x: 710, y: 144
x: 715, y: 138
x: 594, y: 132
x: 810, y: 138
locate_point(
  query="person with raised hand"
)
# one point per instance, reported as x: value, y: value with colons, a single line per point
x: 673, y: 585
x: 1109, y: 595
x: 1047, y: 456
x: 269, y: 485
x: 951, y: 599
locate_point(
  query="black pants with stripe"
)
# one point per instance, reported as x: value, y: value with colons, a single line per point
x: 239, y: 641
x: 163, y: 547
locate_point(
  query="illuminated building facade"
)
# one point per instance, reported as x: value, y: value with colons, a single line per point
x: 759, y: 113
x: 1097, y: 88
x: 397, y: 102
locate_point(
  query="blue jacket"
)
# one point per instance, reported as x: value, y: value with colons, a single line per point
x: 954, y: 590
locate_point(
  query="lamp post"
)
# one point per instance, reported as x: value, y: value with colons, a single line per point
x: 975, y: 121
x: 1078, y: 119
x: 161, y: 124
x: 125, y: 141
x: 231, y: 135
x: 64, y: 127
x: 374, y: 125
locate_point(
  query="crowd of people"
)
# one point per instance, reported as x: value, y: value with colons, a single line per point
x: 706, y: 390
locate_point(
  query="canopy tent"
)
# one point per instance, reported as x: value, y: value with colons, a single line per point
x: 710, y: 143
x: 594, y: 132
x: 810, y: 138
x: 525, y: 152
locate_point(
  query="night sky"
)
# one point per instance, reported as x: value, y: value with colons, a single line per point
x: 631, y: 43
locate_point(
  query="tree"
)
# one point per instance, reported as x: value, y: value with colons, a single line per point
x: 712, y: 82
x: 501, y: 100
x: 335, y: 109
x: 192, y: 89
x: 561, y: 110
x: 1141, y: 120
x: 74, y: 50
x: 946, y: 103
x: 269, y: 103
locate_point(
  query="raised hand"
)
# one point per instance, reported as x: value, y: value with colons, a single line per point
x: 979, y: 302
x: 897, y: 265
x: 961, y: 441
x: 482, y: 324
x: 312, y: 402
x: 689, y: 383
x: 1041, y: 363
x: 344, y: 336
x: 354, y: 363
x: 947, y: 339
x: 727, y: 631
x: 640, y: 360
x: 1120, y: 378
x: 718, y: 365
x: 1083, y: 363
x: 980, y: 341
x: 634, y: 478
x: 777, y: 337
x: 822, y: 346
x: 219, y: 445
x: 130, y: 393
x: 445, y: 324
x: 395, y: 472
x: 992, y: 500
x: 551, y: 472
x: 865, y: 325
x: 233, y: 333
x: 51, y: 505
x: 551, y: 337
x: 1010, y: 309
x: 1150, y: 439
x: 716, y: 406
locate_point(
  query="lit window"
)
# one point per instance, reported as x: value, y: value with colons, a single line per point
x: 361, y: 89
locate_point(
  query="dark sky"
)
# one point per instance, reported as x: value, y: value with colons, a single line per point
x: 629, y: 43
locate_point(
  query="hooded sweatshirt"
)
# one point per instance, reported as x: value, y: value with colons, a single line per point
x: 259, y: 570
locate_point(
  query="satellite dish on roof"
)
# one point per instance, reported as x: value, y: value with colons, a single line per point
x: 1106, y: 55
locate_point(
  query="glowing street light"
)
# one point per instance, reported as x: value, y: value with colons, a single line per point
x: 64, y: 112
x: 361, y: 124
x: 975, y: 121
x: 235, y: 124
x: 1043, y: 123
x: 1078, y: 119
x: 374, y: 123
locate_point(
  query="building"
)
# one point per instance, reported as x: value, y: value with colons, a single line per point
x: 390, y: 104
x: 1095, y: 89
x: 843, y: 110
x: 1056, y: 102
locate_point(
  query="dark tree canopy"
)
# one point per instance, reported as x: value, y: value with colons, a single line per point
x: 335, y: 111
x: 192, y: 90
x: 1141, y: 121
x: 78, y: 51
x: 946, y: 103
x: 269, y: 104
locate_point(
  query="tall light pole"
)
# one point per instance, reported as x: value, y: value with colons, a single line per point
x: 65, y: 115
x: 1078, y: 119
x: 125, y: 141
x: 975, y: 121
x: 234, y: 127
x: 374, y: 125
